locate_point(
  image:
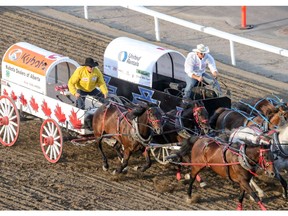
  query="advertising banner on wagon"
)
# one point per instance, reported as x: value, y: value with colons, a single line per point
x: 26, y: 65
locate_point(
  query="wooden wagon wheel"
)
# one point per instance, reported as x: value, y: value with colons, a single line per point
x: 9, y: 121
x: 51, y: 140
x: 159, y: 153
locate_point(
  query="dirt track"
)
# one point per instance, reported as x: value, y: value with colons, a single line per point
x: 77, y: 182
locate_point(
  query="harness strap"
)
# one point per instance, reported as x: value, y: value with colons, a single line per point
x: 137, y: 136
x: 277, y: 144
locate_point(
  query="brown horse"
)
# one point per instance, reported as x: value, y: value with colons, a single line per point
x: 233, y: 161
x: 131, y: 129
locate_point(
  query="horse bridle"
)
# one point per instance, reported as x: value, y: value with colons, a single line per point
x: 243, y: 159
x: 196, y: 114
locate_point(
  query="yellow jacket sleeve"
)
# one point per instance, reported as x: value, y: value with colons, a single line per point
x: 101, y: 83
x: 74, y: 79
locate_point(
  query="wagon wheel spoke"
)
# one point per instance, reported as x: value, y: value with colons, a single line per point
x: 9, y: 121
x: 51, y: 140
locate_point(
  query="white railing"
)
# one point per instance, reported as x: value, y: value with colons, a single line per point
x: 208, y: 30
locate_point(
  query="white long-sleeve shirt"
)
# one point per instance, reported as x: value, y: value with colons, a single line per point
x: 195, y: 65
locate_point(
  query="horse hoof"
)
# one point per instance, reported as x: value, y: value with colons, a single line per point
x: 125, y: 170
x: 104, y: 168
x: 188, y: 200
x: 203, y: 184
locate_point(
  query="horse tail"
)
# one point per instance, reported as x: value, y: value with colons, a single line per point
x: 186, y: 146
x: 185, y: 149
x: 213, y: 119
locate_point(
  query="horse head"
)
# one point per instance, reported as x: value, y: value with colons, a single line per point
x: 156, y: 118
x: 201, y: 117
x: 259, y: 156
x: 195, y: 115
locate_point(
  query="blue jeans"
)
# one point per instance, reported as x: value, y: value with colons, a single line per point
x: 80, y: 102
x: 190, y: 83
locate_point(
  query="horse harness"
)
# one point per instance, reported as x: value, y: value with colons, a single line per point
x: 243, y: 160
x: 134, y: 124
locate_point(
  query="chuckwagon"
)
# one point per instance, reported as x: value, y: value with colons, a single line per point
x: 34, y: 81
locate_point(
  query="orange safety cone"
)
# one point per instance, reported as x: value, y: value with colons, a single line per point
x: 243, y: 19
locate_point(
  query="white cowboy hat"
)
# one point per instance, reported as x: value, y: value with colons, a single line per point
x: 201, y: 49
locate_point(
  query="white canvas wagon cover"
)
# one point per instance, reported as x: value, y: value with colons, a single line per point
x: 137, y: 61
x: 32, y: 67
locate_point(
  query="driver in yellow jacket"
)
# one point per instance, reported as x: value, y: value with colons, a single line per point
x: 85, y: 80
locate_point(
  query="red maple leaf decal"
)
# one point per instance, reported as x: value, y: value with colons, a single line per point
x: 74, y: 120
x: 13, y: 96
x: 33, y: 104
x: 46, y: 109
x: 58, y: 113
x: 23, y: 100
x: 5, y: 92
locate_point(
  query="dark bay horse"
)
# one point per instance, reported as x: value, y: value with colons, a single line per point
x: 131, y: 129
x: 235, y: 162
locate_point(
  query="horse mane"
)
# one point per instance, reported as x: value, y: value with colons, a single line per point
x: 138, y: 109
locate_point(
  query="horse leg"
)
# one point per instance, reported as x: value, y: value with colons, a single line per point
x: 246, y: 187
x: 198, y: 179
x: 253, y: 184
x: 202, y: 183
x: 194, y: 172
x: 124, y: 164
x: 118, y: 149
x: 240, y: 199
x: 283, y: 183
x: 189, y: 192
x: 105, y: 166
x: 148, y: 160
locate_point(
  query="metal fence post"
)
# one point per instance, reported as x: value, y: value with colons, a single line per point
x: 157, y: 30
x: 232, y: 52
x: 86, y: 12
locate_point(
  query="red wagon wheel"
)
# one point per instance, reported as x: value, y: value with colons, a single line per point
x: 9, y: 121
x: 51, y: 140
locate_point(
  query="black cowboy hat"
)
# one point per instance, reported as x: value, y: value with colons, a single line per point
x: 90, y: 62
